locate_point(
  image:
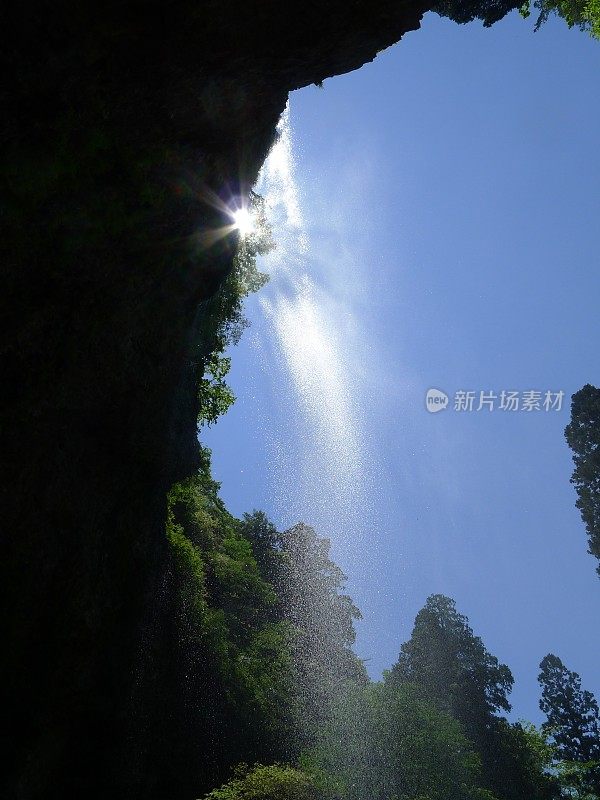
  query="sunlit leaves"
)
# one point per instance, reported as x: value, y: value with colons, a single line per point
x: 584, y: 14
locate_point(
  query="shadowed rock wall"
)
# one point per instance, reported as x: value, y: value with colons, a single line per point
x: 121, y: 124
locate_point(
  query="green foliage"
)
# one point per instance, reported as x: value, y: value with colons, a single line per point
x: 275, y: 782
x: 537, y: 745
x: 230, y: 657
x: 573, y: 725
x: 454, y: 670
x: 262, y: 629
x: 320, y: 616
x: 223, y: 320
x: 389, y: 742
x: 267, y: 610
x: 219, y: 577
x: 267, y: 546
x: 515, y: 761
x: 266, y: 623
x: 592, y: 15
x: 576, y: 780
x: 573, y: 719
x: 312, y: 599
x: 190, y: 565
x: 583, y: 437
x: 265, y: 634
x: 583, y: 14
x: 452, y: 664
x: 215, y: 395
x: 312, y: 589
x: 462, y: 11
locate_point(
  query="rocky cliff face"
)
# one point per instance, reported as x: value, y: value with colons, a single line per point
x: 123, y: 126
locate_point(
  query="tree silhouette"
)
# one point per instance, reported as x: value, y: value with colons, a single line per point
x: 583, y: 437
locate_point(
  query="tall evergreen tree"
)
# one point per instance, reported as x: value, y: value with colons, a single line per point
x: 452, y: 664
x: 583, y: 437
x: 311, y: 591
x: 454, y: 669
x: 573, y: 719
x: 311, y: 600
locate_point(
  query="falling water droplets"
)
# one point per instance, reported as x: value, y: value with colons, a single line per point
x: 321, y: 474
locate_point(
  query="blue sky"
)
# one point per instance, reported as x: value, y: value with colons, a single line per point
x: 436, y: 215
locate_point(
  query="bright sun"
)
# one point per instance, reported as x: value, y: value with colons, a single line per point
x: 243, y: 221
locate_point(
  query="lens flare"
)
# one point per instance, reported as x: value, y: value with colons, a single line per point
x: 244, y: 221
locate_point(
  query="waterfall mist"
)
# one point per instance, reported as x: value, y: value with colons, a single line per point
x: 321, y: 473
